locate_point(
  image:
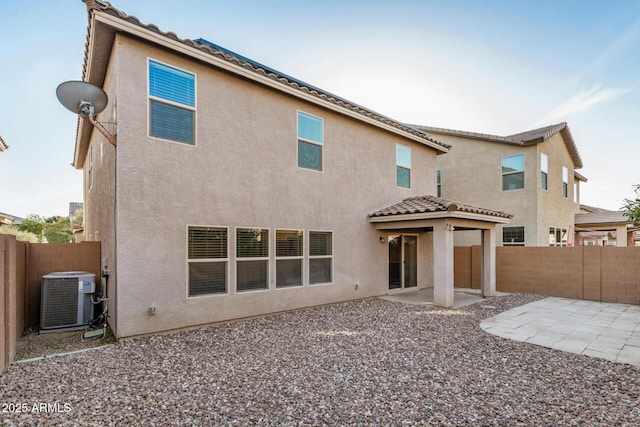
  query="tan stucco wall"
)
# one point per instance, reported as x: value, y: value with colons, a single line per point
x: 99, y: 198
x: 472, y: 173
x: 554, y: 210
x: 243, y: 172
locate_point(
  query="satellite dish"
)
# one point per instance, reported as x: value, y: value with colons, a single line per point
x: 82, y: 98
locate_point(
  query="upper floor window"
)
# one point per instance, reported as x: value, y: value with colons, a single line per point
x: 207, y: 259
x: 565, y: 182
x: 310, y: 141
x: 576, y: 198
x: 544, y: 171
x: 403, y: 166
x: 513, y: 172
x: 172, y: 103
x: 439, y: 183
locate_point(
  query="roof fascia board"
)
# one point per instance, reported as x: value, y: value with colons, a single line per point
x: 250, y: 75
x: 440, y: 215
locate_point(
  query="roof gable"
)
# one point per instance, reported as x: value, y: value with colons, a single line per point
x: 433, y: 204
x: 101, y: 20
x: 526, y: 138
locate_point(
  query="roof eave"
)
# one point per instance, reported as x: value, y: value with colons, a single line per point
x: 103, y: 26
x: 440, y: 215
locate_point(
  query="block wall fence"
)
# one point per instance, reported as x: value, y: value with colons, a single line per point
x: 596, y: 273
x: 22, y: 266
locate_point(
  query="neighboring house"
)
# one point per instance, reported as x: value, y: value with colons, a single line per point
x: 6, y: 219
x: 602, y: 227
x: 530, y: 175
x: 234, y: 190
x: 3, y: 145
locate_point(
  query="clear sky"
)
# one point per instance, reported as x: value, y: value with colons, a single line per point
x: 490, y: 66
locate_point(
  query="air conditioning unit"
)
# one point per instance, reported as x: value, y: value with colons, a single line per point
x: 66, y: 299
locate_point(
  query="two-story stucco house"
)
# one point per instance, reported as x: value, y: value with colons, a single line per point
x: 531, y: 175
x: 232, y: 190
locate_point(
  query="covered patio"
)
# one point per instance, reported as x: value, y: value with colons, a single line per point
x: 442, y: 217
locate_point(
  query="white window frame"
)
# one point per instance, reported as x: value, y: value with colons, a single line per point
x: 239, y: 259
x: 524, y: 236
x: 312, y: 257
x: 403, y: 166
x: 544, y: 171
x: 195, y: 260
x: 172, y: 103
x: 502, y: 174
x: 309, y: 141
x: 439, y: 183
x: 565, y: 182
x: 285, y: 258
x: 554, y: 232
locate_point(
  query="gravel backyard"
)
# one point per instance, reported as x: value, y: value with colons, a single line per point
x: 369, y: 362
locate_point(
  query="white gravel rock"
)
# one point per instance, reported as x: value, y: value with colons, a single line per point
x: 362, y: 363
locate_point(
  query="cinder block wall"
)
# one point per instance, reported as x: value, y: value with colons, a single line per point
x: 11, y: 309
x: 596, y: 273
x: 22, y: 266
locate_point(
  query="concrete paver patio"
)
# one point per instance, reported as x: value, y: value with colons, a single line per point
x: 606, y: 330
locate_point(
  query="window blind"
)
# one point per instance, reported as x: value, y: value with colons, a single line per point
x: 207, y: 242
x: 171, y: 84
x: 319, y: 243
x: 252, y: 242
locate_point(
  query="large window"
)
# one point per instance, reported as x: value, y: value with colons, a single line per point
x: 439, y: 183
x: 403, y: 166
x: 172, y: 103
x: 513, y: 236
x: 565, y: 182
x: 252, y: 259
x: 320, y: 257
x: 207, y: 260
x: 289, y: 255
x: 310, y: 141
x: 544, y: 171
x: 513, y: 172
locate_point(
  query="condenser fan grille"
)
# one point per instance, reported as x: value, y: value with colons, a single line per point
x: 59, y: 302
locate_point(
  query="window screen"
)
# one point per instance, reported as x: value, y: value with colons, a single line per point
x: 207, y: 260
x: 252, y: 264
x: 172, y: 103
x: 310, y: 141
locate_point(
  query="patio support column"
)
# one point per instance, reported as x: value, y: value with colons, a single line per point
x: 488, y: 263
x: 621, y: 235
x: 443, y: 264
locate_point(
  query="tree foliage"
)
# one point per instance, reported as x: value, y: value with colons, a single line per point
x: 56, y: 229
x: 33, y: 224
x: 23, y: 236
x: 632, y: 206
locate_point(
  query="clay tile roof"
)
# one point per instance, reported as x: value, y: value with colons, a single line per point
x: 3, y: 145
x: 248, y: 64
x: 526, y: 138
x: 428, y: 204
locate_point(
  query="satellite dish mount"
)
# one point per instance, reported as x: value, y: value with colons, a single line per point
x: 85, y: 100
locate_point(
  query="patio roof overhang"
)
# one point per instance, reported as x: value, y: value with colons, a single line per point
x: 442, y: 217
x: 420, y: 212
